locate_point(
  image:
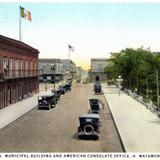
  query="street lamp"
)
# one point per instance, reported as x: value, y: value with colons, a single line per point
x: 54, y: 76
x: 119, y: 80
x: 157, y: 87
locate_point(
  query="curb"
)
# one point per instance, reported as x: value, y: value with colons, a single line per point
x: 18, y: 118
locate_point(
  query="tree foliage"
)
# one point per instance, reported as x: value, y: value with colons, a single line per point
x: 137, y: 67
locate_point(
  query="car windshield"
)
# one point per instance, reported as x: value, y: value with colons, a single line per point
x: 97, y: 83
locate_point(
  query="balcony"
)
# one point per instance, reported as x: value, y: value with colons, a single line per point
x: 11, y: 74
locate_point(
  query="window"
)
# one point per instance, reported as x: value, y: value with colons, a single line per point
x: 10, y: 64
x: 16, y: 67
x: 5, y: 62
x: 1, y: 63
x: 10, y: 67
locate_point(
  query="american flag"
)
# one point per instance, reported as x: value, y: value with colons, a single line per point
x: 71, y: 48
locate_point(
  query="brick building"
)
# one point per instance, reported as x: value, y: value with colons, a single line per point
x: 18, y: 71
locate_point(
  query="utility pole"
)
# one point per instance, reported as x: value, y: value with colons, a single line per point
x: 20, y: 24
x: 157, y: 87
x: 54, y: 76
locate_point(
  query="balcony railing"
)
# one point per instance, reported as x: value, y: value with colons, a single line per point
x: 9, y: 74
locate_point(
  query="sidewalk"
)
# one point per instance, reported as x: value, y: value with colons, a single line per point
x: 138, y: 127
x: 16, y: 110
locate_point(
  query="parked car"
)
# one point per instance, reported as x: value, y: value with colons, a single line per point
x: 89, y: 125
x: 57, y: 94
x: 62, y: 89
x: 67, y: 86
x: 96, y: 105
x: 97, y: 88
x: 46, y: 101
x: 78, y: 80
x: 85, y: 82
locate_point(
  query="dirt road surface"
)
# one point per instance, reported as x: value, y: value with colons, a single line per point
x: 56, y: 130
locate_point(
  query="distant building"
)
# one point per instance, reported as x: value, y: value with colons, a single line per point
x: 97, y: 69
x: 18, y: 71
x: 69, y: 68
x: 78, y: 75
x: 78, y: 71
x: 51, y: 69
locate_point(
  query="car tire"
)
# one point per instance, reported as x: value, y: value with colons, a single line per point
x: 88, y: 129
x: 98, y: 137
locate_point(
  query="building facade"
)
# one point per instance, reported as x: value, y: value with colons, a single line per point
x: 78, y: 71
x: 69, y: 68
x: 51, y: 69
x: 78, y: 74
x: 96, y: 72
x: 18, y: 71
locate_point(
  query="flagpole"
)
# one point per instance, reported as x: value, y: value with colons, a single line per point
x: 19, y: 23
x: 69, y: 54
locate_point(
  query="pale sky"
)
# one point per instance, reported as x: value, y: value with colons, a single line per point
x: 93, y: 29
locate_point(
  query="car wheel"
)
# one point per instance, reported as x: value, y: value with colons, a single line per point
x: 98, y: 137
x: 88, y: 129
x: 79, y: 137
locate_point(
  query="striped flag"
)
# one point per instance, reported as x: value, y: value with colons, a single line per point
x: 71, y: 48
x: 25, y: 14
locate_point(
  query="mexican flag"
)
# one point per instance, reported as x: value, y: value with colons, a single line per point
x: 25, y: 14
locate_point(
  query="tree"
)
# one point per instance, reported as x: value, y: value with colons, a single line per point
x: 137, y: 68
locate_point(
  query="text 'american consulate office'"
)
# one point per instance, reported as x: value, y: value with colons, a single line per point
x: 18, y: 71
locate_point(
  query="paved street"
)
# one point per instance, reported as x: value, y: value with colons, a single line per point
x: 56, y: 130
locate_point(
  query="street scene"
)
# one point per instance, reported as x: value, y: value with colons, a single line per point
x: 56, y: 130
x: 79, y: 77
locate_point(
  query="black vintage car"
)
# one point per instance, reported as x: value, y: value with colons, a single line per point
x: 89, y: 126
x: 62, y: 89
x: 46, y: 101
x: 96, y: 105
x: 97, y: 88
x: 57, y: 94
x: 68, y: 86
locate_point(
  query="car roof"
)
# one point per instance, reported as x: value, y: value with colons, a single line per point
x: 97, y: 82
x: 46, y: 95
x: 90, y: 116
x: 94, y: 97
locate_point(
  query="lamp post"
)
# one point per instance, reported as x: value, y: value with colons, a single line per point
x: 54, y: 76
x: 119, y: 80
x: 157, y: 88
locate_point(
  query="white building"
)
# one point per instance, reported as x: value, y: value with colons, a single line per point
x: 97, y: 69
x: 98, y: 64
x: 78, y: 71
